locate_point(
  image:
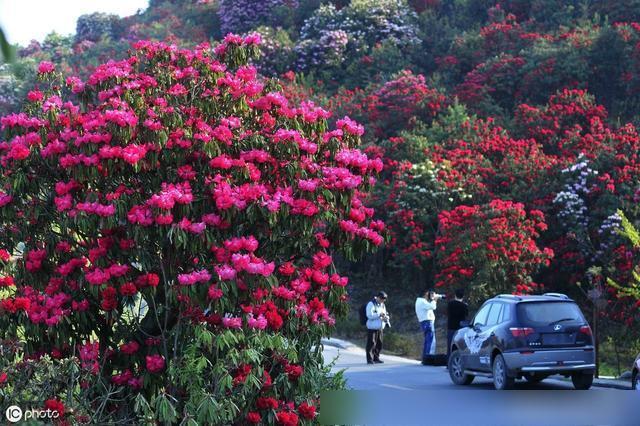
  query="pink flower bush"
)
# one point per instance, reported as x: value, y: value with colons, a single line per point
x: 176, y: 207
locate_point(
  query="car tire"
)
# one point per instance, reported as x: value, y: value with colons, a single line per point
x: 456, y: 370
x: 635, y: 381
x: 582, y: 381
x: 501, y: 379
x: 534, y: 378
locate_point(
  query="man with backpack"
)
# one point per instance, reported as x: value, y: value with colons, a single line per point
x: 375, y: 317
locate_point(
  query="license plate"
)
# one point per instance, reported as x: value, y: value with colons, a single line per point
x: 558, y: 339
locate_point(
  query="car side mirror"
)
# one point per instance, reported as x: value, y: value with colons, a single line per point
x: 465, y: 324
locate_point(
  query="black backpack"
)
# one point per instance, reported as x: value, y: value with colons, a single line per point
x: 363, y: 314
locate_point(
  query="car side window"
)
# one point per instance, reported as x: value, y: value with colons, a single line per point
x: 481, y: 316
x: 494, y: 315
x: 506, y: 314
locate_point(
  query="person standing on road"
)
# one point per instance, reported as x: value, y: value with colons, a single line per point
x: 377, y: 320
x: 457, y: 311
x: 425, y: 311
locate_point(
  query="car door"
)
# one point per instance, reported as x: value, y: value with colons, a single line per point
x: 473, y: 337
x: 489, y: 338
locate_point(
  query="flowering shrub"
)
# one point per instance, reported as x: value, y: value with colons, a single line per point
x: 277, y: 56
x: 243, y: 15
x: 353, y: 31
x: 560, y: 125
x: 390, y: 107
x: 95, y: 26
x: 399, y: 102
x: 326, y: 51
x: 490, y: 249
x: 169, y: 224
x: 491, y: 86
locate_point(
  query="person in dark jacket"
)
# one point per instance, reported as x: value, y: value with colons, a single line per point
x: 457, y: 311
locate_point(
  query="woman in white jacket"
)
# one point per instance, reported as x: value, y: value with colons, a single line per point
x: 425, y: 311
x: 377, y: 320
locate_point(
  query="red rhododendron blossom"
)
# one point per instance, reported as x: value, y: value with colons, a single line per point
x: 253, y: 417
x: 4, y: 255
x: 287, y: 418
x: 129, y: 348
x: 55, y: 406
x: 155, y: 363
x: 265, y: 403
x: 293, y: 371
x: 307, y: 411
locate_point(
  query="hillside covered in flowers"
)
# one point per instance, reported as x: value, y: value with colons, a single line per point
x: 490, y: 145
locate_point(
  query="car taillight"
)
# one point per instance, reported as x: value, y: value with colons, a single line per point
x: 521, y: 331
x: 585, y: 329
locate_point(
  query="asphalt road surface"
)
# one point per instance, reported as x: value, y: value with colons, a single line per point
x: 404, y: 392
x: 406, y: 374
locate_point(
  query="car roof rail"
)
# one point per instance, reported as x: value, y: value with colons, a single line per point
x: 560, y: 295
x: 509, y: 296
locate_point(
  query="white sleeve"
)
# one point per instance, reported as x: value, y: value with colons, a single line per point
x: 429, y: 306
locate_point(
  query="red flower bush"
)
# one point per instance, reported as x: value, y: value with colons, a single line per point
x: 176, y: 219
x: 490, y: 248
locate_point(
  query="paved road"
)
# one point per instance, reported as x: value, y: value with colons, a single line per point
x: 404, y: 392
x: 405, y: 374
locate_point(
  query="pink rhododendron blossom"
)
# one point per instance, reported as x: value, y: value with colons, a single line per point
x: 194, y: 277
x: 46, y: 67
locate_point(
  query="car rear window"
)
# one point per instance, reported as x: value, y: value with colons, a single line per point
x: 544, y: 313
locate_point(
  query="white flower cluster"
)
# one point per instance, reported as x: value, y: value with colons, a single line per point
x: 611, y: 225
x: 571, y: 200
x: 574, y: 213
x: 238, y: 16
x: 329, y: 50
x: 608, y: 233
x: 573, y: 208
x: 582, y: 173
x: 359, y: 27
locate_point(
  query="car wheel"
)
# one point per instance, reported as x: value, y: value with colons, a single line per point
x: 456, y: 370
x: 582, y: 381
x: 535, y: 378
x: 635, y: 381
x: 501, y: 379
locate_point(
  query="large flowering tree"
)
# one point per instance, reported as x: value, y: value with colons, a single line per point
x: 167, y: 227
x: 490, y: 248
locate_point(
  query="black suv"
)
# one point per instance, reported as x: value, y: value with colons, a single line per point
x: 524, y: 336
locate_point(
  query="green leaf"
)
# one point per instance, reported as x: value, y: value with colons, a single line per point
x: 165, y: 410
x: 8, y: 50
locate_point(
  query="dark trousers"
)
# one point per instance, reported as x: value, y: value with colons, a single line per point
x: 374, y: 344
x: 450, y: 334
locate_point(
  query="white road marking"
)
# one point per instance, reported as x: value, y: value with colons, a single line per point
x: 395, y: 387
